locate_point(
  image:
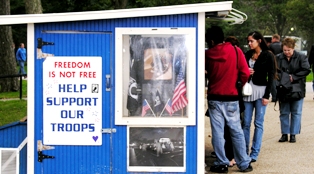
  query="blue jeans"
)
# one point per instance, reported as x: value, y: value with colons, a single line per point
x: 221, y: 112
x: 290, y: 117
x: 258, y: 123
x: 21, y: 70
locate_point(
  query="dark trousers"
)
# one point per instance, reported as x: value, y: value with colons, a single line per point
x: 228, y: 144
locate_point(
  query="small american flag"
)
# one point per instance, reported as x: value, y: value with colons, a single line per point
x: 179, y: 100
x: 145, y: 108
x: 168, y: 107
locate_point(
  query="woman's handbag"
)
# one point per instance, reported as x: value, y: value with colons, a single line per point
x: 247, y: 89
x: 286, y: 91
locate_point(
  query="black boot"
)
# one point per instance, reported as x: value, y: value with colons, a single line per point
x: 292, y: 139
x: 283, y: 138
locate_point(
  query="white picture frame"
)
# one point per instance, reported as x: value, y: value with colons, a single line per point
x: 123, y: 64
x: 156, y: 149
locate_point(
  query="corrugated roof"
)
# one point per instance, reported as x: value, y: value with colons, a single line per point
x: 12, y: 124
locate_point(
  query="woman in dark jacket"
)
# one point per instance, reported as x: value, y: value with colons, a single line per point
x: 295, y: 67
x: 262, y: 65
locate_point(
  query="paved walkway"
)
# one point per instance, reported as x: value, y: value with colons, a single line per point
x: 275, y: 157
x: 9, y: 99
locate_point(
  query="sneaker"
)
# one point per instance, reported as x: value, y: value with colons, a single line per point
x: 219, y: 169
x: 248, y: 169
x: 213, y: 155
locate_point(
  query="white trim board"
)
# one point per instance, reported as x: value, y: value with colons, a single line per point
x: 114, y: 14
x: 30, y: 98
x: 200, y: 93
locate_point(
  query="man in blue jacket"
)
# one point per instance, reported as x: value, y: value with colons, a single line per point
x: 21, y: 58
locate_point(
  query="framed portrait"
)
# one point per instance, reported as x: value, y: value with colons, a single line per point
x: 156, y: 149
x: 155, y: 76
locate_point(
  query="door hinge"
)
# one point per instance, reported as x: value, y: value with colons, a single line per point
x: 40, y: 148
x: 42, y: 156
x: 108, y: 130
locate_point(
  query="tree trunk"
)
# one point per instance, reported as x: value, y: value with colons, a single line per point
x: 120, y: 4
x: 7, y: 55
x: 33, y: 7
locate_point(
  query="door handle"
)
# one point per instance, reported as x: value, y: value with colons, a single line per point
x: 108, y: 82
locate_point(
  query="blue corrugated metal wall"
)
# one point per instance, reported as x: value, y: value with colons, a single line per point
x: 12, y: 136
x: 74, y: 159
x: 119, y: 138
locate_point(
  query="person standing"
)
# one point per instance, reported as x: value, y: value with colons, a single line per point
x: 276, y: 48
x: 228, y: 144
x: 294, y: 67
x: 275, y: 45
x: 262, y: 65
x: 223, y: 105
x: 21, y: 58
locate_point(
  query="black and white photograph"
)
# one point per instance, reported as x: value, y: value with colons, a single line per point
x: 151, y: 148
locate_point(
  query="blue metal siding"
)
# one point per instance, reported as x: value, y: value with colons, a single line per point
x: 119, y: 138
x: 12, y: 135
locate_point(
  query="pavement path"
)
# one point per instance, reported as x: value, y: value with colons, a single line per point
x: 275, y: 157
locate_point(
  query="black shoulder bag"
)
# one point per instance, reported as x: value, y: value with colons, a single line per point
x: 239, y: 87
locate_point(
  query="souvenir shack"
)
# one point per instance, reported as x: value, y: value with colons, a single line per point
x: 118, y: 91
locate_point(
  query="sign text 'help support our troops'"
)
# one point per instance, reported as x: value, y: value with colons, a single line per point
x: 72, y: 101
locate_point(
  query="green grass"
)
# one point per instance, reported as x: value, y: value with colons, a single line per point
x: 18, y: 68
x: 7, y: 95
x: 309, y: 78
x: 12, y: 111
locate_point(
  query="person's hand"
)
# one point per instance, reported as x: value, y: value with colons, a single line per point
x: 251, y: 71
x: 291, y: 79
x: 265, y: 101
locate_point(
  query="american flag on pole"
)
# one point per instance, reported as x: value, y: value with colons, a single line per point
x: 168, y: 107
x: 179, y: 100
x: 145, y: 108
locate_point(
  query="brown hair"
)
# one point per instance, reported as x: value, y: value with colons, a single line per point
x: 288, y: 42
x: 233, y: 40
x: 276, y: 36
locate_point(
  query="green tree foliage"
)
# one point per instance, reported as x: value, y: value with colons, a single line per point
x: 18, y: 31
x: 156, y: 3
x: 302, y: 11
x: 58, y: 6
x: 271, y: 16
x: 267, y: 16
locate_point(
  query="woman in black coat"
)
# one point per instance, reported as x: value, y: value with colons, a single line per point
x: 262, y: 65
x: 293, y: 69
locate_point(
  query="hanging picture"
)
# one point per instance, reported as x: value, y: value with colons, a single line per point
x: 156, y: 149
x: 155, y: 76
